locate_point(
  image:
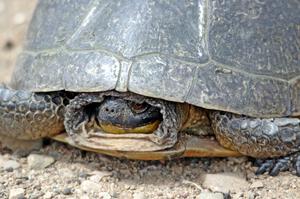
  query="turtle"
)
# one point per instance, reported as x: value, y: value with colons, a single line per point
x: 161, y: 79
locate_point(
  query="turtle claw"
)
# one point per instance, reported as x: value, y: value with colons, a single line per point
x: 280, y: 165
x: 277, y: 165
x: 263, y: 166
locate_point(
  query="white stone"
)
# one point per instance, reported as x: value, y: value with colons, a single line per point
x: 98, y: 175
x: 257, y: 184
x: 16, y: 193
x: 37, y: 162
x: 6, y: 164
x: 88, y: 186
x: 66, y: 173
x: 224, y: 182
x: 84, y: 196
x: 47, y: 195
x: 210, y: 195
x: 139, y: 195
x: 104, y: 195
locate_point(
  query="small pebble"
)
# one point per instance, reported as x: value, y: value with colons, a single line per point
x: 210, y: 195
x: 84, y: 196
x: 35, y: 196
x: 114, y: 194
x: 88, y: 186
x: 17, y: 193
x: 82, y: 174
x: 10, y: 165
x: 48, y: 195
x: 104, y: 195
x: 224, y: 182
x: 251, y: 195
x: 67, y: 191
x: 98, y: 175
x: 9, y: 169
x: 38, y: 162
x: 139, y: 195
x: 257, y: 184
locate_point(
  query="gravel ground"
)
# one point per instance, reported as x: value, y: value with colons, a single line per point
x: 60, y: 171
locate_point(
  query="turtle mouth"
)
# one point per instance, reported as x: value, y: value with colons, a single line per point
x: 115, y: 129
x: 123, y: 122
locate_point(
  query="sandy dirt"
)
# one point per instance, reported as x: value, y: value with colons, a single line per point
x: 60, y: 171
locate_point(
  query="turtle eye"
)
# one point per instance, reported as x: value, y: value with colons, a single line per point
x: 138, y: 107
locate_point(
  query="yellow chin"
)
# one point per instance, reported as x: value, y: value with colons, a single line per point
x: 147, y: 129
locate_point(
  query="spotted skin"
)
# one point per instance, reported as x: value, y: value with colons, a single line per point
x: 276, y: 141
x: 31, y: 116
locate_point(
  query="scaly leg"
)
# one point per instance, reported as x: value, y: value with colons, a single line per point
x: 27, y: 116
x: 276, y: 140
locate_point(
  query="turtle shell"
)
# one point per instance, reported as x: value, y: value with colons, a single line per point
x: 236, y: 56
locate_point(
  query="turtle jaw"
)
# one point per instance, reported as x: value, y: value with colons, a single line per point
x: 114, y: 129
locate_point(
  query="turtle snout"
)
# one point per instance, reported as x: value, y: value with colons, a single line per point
x: 111, y: 110
x: 114, y: 111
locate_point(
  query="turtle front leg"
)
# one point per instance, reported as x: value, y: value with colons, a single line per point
x: 27, y: 116
x: 276, y: 141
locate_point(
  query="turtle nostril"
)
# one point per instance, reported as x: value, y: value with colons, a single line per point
x: 110, y: 110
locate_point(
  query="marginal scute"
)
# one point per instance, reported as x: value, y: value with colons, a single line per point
x: 237, y: 92
x: 77, y: 71
x: 93, y: 71
x: 39, y: 72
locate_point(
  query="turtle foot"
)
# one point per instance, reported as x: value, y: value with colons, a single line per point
x: 276, y: 165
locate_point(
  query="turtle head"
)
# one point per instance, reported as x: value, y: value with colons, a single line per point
x: 120, y: 116
x: 123, y: 121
